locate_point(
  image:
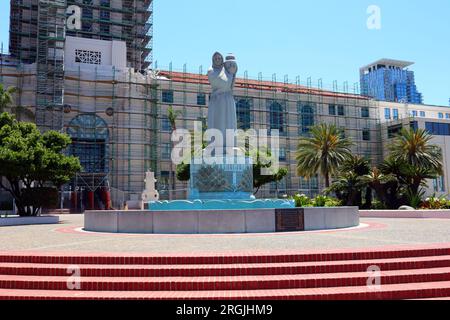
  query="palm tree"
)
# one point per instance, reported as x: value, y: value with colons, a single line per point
x: 6, y: 97
x: 413, y: 147
x: 350, y: 184
x: 172, y: 116
x: 323, y: 151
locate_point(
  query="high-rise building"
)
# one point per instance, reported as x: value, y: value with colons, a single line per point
x: 389, y: 80
x: 130, y: 21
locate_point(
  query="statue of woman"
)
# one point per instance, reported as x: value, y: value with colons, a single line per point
x: 222, y: 106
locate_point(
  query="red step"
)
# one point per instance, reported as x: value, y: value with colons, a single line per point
x: 223, y: 283
x: 247, y: 269
x: 405, y: 274
x: 391, y: 291
x: 222, y: 259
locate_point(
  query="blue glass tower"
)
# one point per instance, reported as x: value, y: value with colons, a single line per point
x: 389, y: 80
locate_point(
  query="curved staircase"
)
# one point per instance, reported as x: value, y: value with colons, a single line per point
x: 405, y: 274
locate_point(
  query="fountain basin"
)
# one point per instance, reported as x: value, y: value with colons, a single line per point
x: 229, y: 204
x: 221, y: 221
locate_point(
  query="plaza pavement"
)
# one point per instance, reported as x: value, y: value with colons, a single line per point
x: 67, y: 237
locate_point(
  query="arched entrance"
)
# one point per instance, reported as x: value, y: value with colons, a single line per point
x: 90, y: 139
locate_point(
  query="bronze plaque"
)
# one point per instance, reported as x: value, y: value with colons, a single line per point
x: 290, y: 220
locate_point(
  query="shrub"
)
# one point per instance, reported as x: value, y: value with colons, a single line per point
x: 378, y: 205
x: 435, y: 203
x: 302, y: 201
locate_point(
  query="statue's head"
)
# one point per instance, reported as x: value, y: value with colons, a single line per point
x: 217, y: 60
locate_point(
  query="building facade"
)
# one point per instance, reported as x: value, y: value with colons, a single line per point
x: 96, y: 88
x: 388, y: 80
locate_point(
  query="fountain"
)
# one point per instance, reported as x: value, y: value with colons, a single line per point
x: 220, y: 197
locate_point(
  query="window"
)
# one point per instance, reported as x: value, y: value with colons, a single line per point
x: 341, y: 110
x: 387, y: 113
x: 422, y: 114
x: 332, y: 110
x: 167, y: 96
x: 439, y: 184
x: 88, y: 57
x: 395, y: 114
x: 105, y: 3
x: 104, y: 15
x: 437, y: 128
x: 165, y: 125
x: 201, y: 99
x: 447, y: 116
x: 243, y: 107
x: 90, y: 139
x: 87, y: 13
x: 414, y: 113
x: 440, y: 115
x: 394, y: 130
x: 276, y: 116
x: 282, y: 155
x: 165, y: 152
x: 306, y: 114
x: 365, y: 112
x: 104, y: 28
x: 414, y: 125
x: 366, y: 135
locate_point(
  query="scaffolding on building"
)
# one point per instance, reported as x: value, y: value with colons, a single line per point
x: 353, y: 113
x: 50, y: 64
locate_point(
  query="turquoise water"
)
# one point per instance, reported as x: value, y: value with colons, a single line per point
x: 233, y: 204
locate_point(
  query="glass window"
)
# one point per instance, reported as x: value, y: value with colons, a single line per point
x: 447, y: 116
x: 306, y: 114
x: 282, y: 155
x: 414, y: 113
x: 395, y: 113
x: 167, y: 96
x: 165, y: 124
x: 366, y: 135
x: 201, y: 99
x: 243, y: 107
x: 437, y: 128
x: 276, y: 115
x: 387, y: 113
x: 440, y: 115
x: 422, y: 114
x: 341, y: 110
x: 104, y: 28
x: 394, y: 130
x: 165, y: 152
x: 104, y: 15
x: 365, y: 112
x: 332, y: 110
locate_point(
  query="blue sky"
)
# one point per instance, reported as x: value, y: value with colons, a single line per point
x: 325, y: 39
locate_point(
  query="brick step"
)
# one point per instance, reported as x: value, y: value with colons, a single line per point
x: 389, y: 291
x: 223, y: 283
x: 40, y: 269
x: 222, y: 259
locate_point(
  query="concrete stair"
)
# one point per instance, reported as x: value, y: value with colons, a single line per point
x: 405, y: 274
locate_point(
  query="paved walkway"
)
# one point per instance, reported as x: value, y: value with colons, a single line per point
x: 374, y: 233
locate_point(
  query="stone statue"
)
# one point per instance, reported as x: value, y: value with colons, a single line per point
x: 150, y: 193
x: 222, y: 106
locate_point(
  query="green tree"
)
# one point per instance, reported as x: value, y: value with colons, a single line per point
x: 33, y: 163
x: 264, y: 161
x: 350, y: 185
x: 418, y: 159
x: 6, y: 97
x: 323, y: 151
